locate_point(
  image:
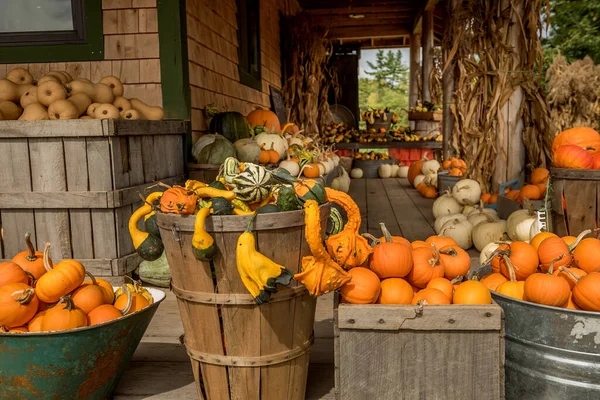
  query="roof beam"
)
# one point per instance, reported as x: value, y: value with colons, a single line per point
x: 370, y: 19
x: 360, y: 10
x: 429, y: 6
x: 368, y: 32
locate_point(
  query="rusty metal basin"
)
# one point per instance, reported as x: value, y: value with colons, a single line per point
x: 84, y: 363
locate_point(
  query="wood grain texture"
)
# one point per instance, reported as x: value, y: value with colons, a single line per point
x: 378, y: 205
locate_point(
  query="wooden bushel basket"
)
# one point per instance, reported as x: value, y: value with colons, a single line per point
x: 240, y: 350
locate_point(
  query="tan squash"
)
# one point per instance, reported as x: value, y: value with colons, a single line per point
x: 115, y: 85
x: 11, y: 91
x: 34, y: 112
x: 20, y: 76
x: 91, y: 109
x: 30, y: 96
x: 146, y: 111
x: 131, y: 114
x: 70, y: 108
x: 99, y: 93
x: 60, y: 76
x: 48, y: 78
x: 67, y: 75
x: 107, y: 111
x: 9, y: 110
x: 122, y: 104
x: 49, y: 92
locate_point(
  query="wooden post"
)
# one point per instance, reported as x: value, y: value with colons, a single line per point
x: 510, y: 159
x: 415, y: 64
x: 427, y: 53
x: 448, y: 91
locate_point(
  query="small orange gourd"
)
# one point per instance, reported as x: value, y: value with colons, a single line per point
x: 89, y: 297
x: 430, y: 296
x: 134, y: 300
x: 363, y: 288
x: 426, y: 266
x: 443, y: 285
x: 547, y: 289
x: 456, y: 261
x: 472, y: 292
x: 64, y: 316
x: 12, y: 273
x: 18, y: 304
x: 493, y: 280
x: 31, y: 260
x: 511, y: 288
x: 395, y: 291
x: 60, y: 279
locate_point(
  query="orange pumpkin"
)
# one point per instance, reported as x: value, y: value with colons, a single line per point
x: 523, y: 256
x: 569, y: 240
x: 587, y: 255
x: 18, y: 329
x: 419, y: 243
x: 456, y: 261
x: 547, y: 289
x: 486, y: 198
x: 455, y: 172
x: 428, y: 191
x: 18, y: 304
x: 12, y: 273
x: 395, y: 291
x: 571, y: 304
x: 582, y: 137
x: 542, y: 187
x: 596, y: 161
x: 511, y: 288
x: 264, y: 157
x: 426, y: 266
x: 64, y: 316
x: 311, y: 170
x: 30, y: 260
x: 88, y: 297
x: 109, y: 293
x: 430, y: 296
x: 531, y: 192
x: 493, y: 199
x: 539, y: 175
x: 539, y: 238
x: 585, y: 293
x: 563, y: 274
x: 391, y: 260
x: 265, y: 118
x: 493, y: 280
x: 178, y: 200
x: 364, y: 288
x: 571, y: 156
x: 130, y: 301
x: 440, y: 241
x: 513, y: 194
x: 395, y: 239
x: 415, y: 169
x: 472, y: 292
x: 550, y: 249
x: 443, y: 285
x: 35, y: 324
x: 446, y: 165
x: 60, y: 279
x: 102, y: 314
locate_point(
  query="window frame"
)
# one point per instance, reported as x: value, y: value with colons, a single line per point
x: 252, y: 79
x: 85, y: 43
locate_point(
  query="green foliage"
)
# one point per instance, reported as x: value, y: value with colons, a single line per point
x: 388, y: 71
x: 575, y: 29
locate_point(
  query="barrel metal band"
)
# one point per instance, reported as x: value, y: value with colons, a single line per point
x: 249, y: 361
x: 234, y: 298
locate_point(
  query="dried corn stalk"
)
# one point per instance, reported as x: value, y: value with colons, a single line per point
x: 481, y: 41
x: 573, y: 93
x: 309, y: 77
x: 435, y: 77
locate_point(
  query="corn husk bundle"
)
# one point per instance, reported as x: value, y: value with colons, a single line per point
x: 496, y: 48
x: 435, y: 77
x: 573, y: 93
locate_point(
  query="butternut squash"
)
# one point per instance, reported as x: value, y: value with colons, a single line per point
x: 20, y: 76
x: 122, y: 103
x: 146, y: 111
x: 47, y: 78
x: 34, y: 112
x: 130, y: 114
x: 10, y: 110
x: 115, y: 84
x: 70, y: 108
x: 29, y: 97
x: 91, y: 109
x: 61, y: 76
x: 68, y: 75
x: 49, y: 92
x: 107, y: 111
x: 11, y: 91
x: 99, y: 93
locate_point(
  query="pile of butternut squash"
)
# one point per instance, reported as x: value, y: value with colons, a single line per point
x: 56, y: 95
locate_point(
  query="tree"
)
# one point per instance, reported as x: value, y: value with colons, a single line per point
x: 575, y: 29
x: 389, y: 71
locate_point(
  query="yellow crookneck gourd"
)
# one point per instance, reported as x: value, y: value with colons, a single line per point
x: 148, y: 246
x: 347, y: 248
x: 259, y: 274
x: 150, y: 222
x: 203, y: 244
x: 320, y: 274
x: 202, y: 190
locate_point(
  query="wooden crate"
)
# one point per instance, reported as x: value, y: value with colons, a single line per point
x: 76, y: 183
x: 575, y: 200
x: 203, y: 172
x: 425, y: 116
x: 390, y: 352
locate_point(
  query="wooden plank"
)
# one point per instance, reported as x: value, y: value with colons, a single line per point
x: 136, y: 167
x: 411, y: 221
x: 149, y: 159
x: 48, y: 175
x: 424, y: 205
x: 358, y: 192
x: 380, y: 209
x: 580, y: 198
x: 429, y: 144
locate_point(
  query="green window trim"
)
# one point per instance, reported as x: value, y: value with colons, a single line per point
x: 90, y: 51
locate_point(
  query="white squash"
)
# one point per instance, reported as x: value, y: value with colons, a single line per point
x: 295, y: 140
x: 523, y: 228
x: 385, y: 171
x: 514, y: 220
x: 460, y: 231
x: 430, y: 167
x: 468, y: 209
x: 487, y: 232
x: 480, y: 209
x: 432, y: 179
x: 487, y: 251
x: 478, y: 218
x: 535, y: 228
x: 467, y: 191
x: 291, y: 166
x: 322, y: 169
x: 403, y: 171
x: 446, y: 204
x: 336, y: 159
x: 356, y: 173
x: 280, y: 145
x: 395, y: 168
x: 418, y: 179
x: 441, y: 221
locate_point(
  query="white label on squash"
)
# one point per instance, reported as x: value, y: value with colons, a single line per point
x: 541, y: 220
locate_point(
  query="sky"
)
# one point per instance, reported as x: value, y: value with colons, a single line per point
x: 369, y: 55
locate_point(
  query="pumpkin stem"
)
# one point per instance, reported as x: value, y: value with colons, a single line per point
x: 32, y: 279
x: 551, y: 268
x: 436, y: 260
x: 31, y: 256
x: 386, y: 233
x: 457, y: 279
x: 47, y: 262
x: 163, y: 185
x: 450, y: 252
x: 3, y: 329
x: 25, y: 296
x: 92, y: 277
x: 126, y: 290
x: 510, y: 267
x: 579, y: 238
x: 570, y: 274
x: 68, y: 302
x: 374, y: 240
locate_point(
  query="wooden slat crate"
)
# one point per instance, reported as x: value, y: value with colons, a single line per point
x: 390, y: 352
x: 76, y: 183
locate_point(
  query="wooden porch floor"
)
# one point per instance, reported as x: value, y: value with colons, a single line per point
x: 160, y: 369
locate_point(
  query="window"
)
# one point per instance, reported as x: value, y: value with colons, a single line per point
x: 248, y: 16
x: 51, y: 30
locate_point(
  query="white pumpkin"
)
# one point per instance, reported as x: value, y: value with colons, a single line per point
x: 322, y: 169
x: 460, y: 231
x: 535, y: 228
x: 432, y: 179
x: 279, y: 143
x: 446, y: 204
x: 295, y: 140
x: 403, y: 171
x: 487, y: 232
x: 478, y: 218
x: 395, y: 168
x: 468, y: 209
x: 291, y: 166
x: 341, y: 182
x: 482, y: 210
x: 441, y: 221
x: 523, y: 229
x: 487, y: 251
x: 385, y: 171
x: 514, y: 220
x: 430, y: 167
x: 418, y: 179
x: 467, y: 191
x: 356, y: 173
x: 336, y: 159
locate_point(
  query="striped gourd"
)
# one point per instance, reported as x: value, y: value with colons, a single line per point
x: 337, y: 221
x: 252, y: 185
x: 230, y: 169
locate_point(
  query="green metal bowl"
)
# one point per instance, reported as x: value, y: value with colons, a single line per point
x: 84, y: 363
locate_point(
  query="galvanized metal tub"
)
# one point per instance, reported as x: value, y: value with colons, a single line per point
x: 84, y: 363
x: 551, y: 353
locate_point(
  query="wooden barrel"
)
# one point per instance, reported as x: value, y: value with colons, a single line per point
x: 203, y: 172
x: 579, y: 209
x: 240, y: 350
